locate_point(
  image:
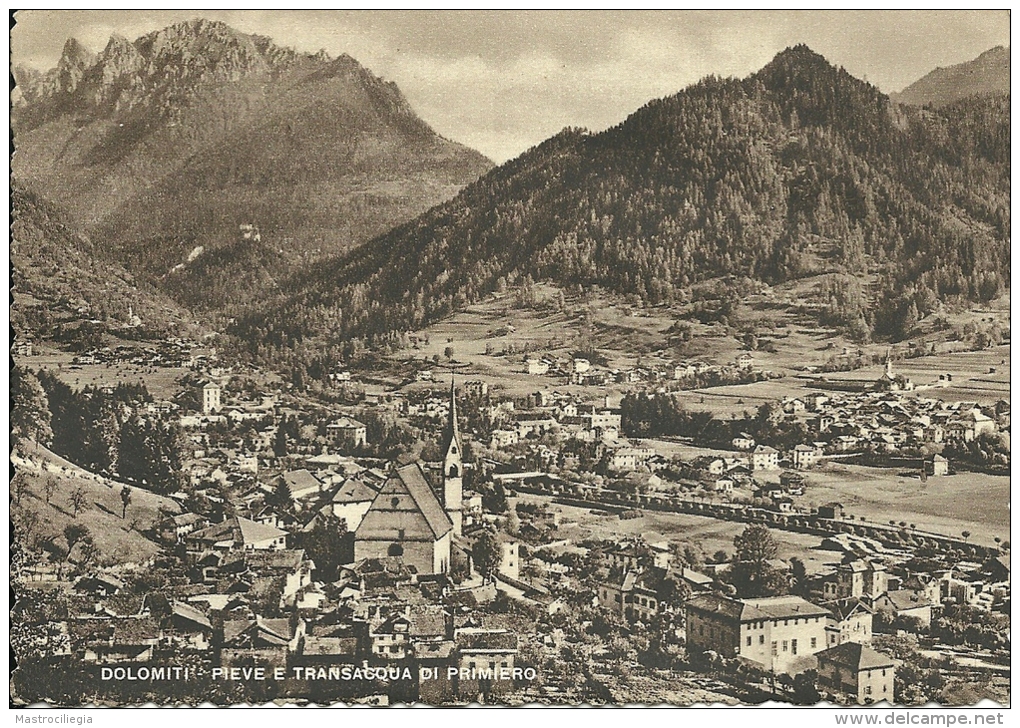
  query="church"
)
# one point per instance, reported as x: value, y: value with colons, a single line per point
x: 411, y: 520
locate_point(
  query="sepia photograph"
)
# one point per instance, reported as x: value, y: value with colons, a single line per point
x: 505, y: 357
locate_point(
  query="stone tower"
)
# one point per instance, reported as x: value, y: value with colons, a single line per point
x: 453, y: 467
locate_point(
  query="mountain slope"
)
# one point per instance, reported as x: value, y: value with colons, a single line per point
x: 176, y: 139
x: 759, y: 177
x: 986, y: 74
x: 58, y: 276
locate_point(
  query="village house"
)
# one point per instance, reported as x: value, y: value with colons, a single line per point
x: 851, y: 621
x: 352, y: 501
x: 538, y: 366
x: 905, y: 603
x: 486, y: 661
x: 857, y: 579
x: 780, y: 634
x: 237, y: 533
x: 856, y: 670
x: 937, y: 466
x: 210, y: 397
x: 347, y: 434
x: 743, y: 441
x: 764, y: 457
x: 805, y: 456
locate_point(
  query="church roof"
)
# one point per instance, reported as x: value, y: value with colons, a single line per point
x: 406, y: 504
x: 430, y: 506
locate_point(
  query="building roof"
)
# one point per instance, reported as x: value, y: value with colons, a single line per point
x: 284, y: 559
x: 481, y: 640
x: 252, y: 532
x: 190, y: 613
x: 753, y: 610
x: 843, y: 609
x: 904, y: 599
x: 301, y: 479
x: 346, y: 423
x: 354, y: 490
x: 427, y: 621
x: 330, y: 645
x: 855, y: 656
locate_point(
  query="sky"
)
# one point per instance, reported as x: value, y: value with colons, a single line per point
x: 503, y: 81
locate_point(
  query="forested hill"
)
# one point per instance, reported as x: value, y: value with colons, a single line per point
x: 986, y: 74
x: 58, y: 278
x: 764, y: 177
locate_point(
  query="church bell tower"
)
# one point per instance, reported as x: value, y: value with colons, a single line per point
x: 453, y: 467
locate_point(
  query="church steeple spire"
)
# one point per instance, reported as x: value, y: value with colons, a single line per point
x: 453, y: 464
x: 452, y: 430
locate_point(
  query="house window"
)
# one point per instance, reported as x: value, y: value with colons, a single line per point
x: 748, y: 640
x: 786, y: 646
x: 867, y: 690
x: 883, y: 673
x: 793, y: 647
x: 761, y: 639
x: 814, y: 642
x: 775, y: 650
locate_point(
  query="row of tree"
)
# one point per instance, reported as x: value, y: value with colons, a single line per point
x: 99, y: 430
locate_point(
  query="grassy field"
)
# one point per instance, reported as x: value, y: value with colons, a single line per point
x: 949, y: 505
x: 117, y: 541
x: 160, y: 381
x: 578, y: 524
x: 626, y: 335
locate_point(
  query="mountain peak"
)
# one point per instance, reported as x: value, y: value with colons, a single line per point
x: 75, y: 60
x: 75, y: 53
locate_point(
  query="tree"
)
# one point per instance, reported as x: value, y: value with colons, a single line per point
x: 798, y: 574
x: 50, y: 486
x: 494, y: 500
x: 74, y: 533
x: 281, y: 497
x: 487, y: 553
x: 448, y: 352
x: 966, y: 535
x: 804, y: 690
x: 280, y: 443
x: 751, y: 573
x: 18, y: 486
x: 327, y: 546
x: 78, y: 500
x: 125, y: 500
x: 30, y: 410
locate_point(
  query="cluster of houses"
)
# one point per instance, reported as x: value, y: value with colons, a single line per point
x: 579, y: 370
x: 171, y: 352
x: 254, y: 596
x: 889, y: 421
x: 828, y: 630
